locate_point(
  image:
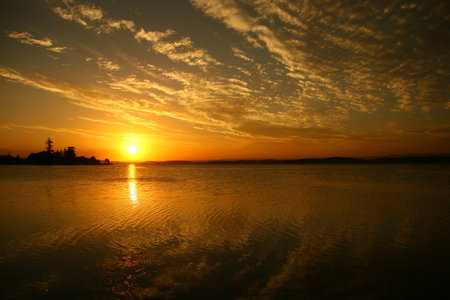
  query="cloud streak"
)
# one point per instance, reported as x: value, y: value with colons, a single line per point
x: 27, y: 38
x: 92, y: 17
x: 89, y: 16
x: 107, y: 65
x: 183, y: 50
x: 61, y: 130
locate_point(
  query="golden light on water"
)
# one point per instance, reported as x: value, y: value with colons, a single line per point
x: 159, y: 91
x: 133, y: 193
x: 132, y: 190
x: 131, y: 172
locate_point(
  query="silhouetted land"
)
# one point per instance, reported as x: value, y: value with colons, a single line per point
x: 51, y: 157
x: 68, y: 157
x: 428, y: 159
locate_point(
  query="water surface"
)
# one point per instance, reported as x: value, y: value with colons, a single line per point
x: 224, y: 231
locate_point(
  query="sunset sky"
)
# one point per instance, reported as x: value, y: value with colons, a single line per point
x: 225, y: 79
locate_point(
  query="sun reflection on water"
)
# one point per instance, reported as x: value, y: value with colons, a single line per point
x: 131, y: 171
x: 132, y: 185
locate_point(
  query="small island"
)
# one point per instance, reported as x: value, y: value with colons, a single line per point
x: 51, y: 157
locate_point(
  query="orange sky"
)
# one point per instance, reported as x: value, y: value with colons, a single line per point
x: 200, y: 80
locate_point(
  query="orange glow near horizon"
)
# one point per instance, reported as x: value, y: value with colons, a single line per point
x: 157, y: 91
x: 152, y: 148
x: 134, y: 149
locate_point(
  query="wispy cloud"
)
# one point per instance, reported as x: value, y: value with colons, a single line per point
x: 89, y: 16
x: 93, y: 17
x: 111, y: 24
x: 152, y: 36
x: 105, y: 64
x: 139, y: 111
x: 61, y: 130
x: 263, y: 129
x: 179, y: 50
x: 5, y: 127
x: 27, y: 38
x: 339, y: 53
x: 80, y: 13
x: 199, y: 104
x: 140, y: 86
x: 183, y: 50
x: 239, y: 53
x: 108, y: 122
x: 82, y: 97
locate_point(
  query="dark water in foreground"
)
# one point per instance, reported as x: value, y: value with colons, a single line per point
x: 210, y: 231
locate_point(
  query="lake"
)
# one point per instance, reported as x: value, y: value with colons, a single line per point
x: 224, y: 231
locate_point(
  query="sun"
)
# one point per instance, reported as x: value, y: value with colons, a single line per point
x: 132, y: 149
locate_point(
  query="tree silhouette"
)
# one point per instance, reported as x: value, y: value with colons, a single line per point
x: 69, y: 155
x: 49, y: 146
x: 51, y: 157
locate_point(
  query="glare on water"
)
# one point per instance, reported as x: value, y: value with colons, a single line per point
x: 230, y: 231
x: 132, y: 184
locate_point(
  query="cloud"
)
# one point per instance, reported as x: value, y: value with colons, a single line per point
x: 339, y: 53
x: 227, y: 11
x: 152, y: 36
x: 239, y: 53
x: 235, y: 17
x: 58, y: 49
x: 105, y: 64
x: 442, y: 130
x: 284, y: 70
x: 27, y: 38
x: 336, y: 58
x: 299, y: 70
x: 139, y: 111
x: 79, y: 96
x: 89, y: 16
x: 61, y: 130
x: 101, y: 121
x: 183, y: 50
x: 140, y: 86
x: 178, y: 50
x: 263, y: 129
x: 111, y: 24
x: 93, y: 17
x: 198, y: 103
x: 5, y: 127
x: 80, y: 13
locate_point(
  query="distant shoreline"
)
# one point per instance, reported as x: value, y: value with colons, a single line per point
x: 433, y: 159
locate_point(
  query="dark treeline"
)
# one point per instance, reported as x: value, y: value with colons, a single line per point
x: 51, y: 157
